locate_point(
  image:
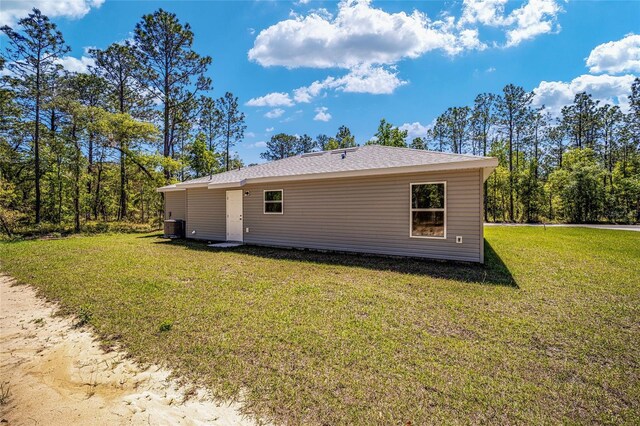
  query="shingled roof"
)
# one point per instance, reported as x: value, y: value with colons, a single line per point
x: 358, y: 161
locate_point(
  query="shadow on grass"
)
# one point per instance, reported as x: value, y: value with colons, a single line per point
x: 493, y: 272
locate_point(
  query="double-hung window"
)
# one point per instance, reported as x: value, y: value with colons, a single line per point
x: 273, y: 201
x: 429, y: 210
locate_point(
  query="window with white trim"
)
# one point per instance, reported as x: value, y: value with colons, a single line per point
x: 273, y: 201
x: 428, y: 210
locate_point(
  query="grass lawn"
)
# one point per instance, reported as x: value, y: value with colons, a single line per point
x: 547, y: 332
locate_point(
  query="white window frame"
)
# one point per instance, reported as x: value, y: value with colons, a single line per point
x: 411, y: 210
x: 264, y: 202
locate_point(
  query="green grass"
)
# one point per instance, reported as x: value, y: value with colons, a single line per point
x: 547, y: 332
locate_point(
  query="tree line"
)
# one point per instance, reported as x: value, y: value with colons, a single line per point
x: 581, y: 165
x: 94, y: 146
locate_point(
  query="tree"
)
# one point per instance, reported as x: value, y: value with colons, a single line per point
x: 114, y: 127
x: 305, y: 144
x: 15, y: 155
x: 208, y: 121
x: 32, y: 54
x: 482, y: 120
x: 633, y: 119
x: 89, y: 90
x: 280, y: 146
x: 456, y: 120
x: 230, y: 123
x: 344, y: 138
x: 512, y: 107
x: 332, y: 144
x: 438, y: 133
x: 74, y: 112
x: 611, y: 119
x: 322, y: 142
x: 176, y: 73
x: 123, y: 73
x: 202, y: 160
x: 580, y: 120
x: 389, y: 135
x: 554, y: 139
x: 578, y: 186
x: 626, y: 190
x: 418, y: 143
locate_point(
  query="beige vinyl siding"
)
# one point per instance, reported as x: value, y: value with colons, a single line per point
x: 206, y: 214
x: 481, y: 213
x: 175, y: 205
x: 365, y: 214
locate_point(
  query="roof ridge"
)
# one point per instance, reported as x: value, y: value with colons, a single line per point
x: 424, y: 150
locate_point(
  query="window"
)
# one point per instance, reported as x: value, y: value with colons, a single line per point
x: 273, y: 201
x: 428, y: 210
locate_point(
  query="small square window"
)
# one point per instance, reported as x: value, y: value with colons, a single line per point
x: 273, y: 201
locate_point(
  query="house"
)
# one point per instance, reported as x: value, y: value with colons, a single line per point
x: 369, y: 199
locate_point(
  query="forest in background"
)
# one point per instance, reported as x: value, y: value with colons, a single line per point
x: 85, y: 151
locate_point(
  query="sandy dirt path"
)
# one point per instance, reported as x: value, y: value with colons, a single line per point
x: 58, y: 375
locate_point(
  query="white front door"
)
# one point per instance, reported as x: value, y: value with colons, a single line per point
x: 234, y: 216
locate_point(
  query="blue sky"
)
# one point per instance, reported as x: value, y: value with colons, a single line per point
x: 309, y: 67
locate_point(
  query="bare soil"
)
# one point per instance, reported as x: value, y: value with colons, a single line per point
x: 52, y: 373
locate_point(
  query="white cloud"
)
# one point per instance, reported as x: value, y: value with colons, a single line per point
x: 532, y: 18
x: 366, y: 79
x: 272, y: 100
x: 606, y: 88
x: 485, y: 12
x: 250, y: 135
x: 469, y: 39
x: 322, y: 114
x: 415, y: 129
x: 274, y: 113
x: 359, y: 34
x: 268, y: 129
x: 361, y: 79
x: 14, y: 10
x: 616, y: 56
x: 72, y: 64
x: 305, y: 94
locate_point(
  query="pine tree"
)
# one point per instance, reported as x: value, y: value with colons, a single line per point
x: 344, y: 138
x: 418, y: 143
x: 512, y: 107
x: 280, y: 146
x: 176, y: 73
x: 230, y: 123
x: 305, y: 144
x: 32, y: 52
